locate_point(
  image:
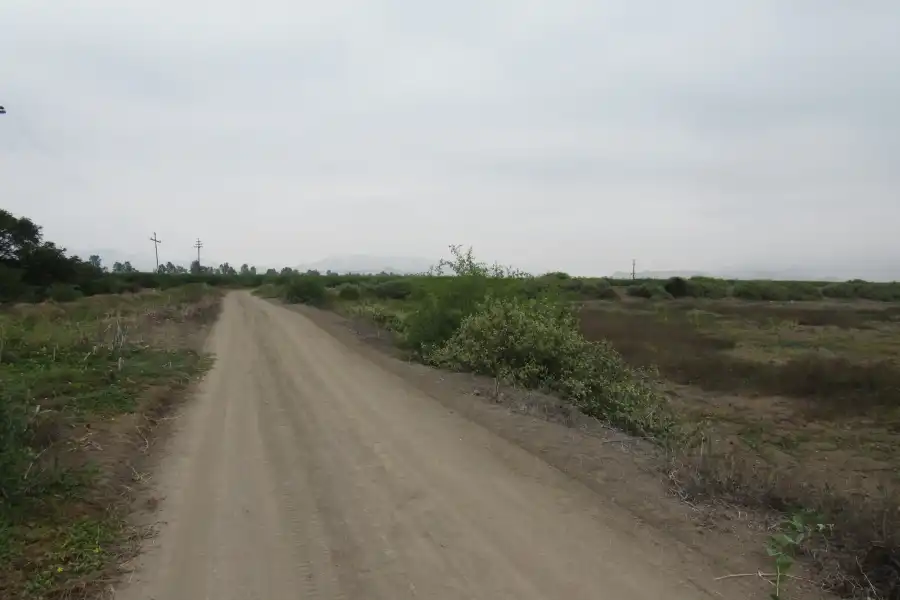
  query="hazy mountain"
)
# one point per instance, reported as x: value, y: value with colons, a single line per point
x: 791, y: 274
x: 363, y: 263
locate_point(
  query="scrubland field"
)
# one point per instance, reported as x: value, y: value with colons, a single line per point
x: 777, y: 396
x: 774, y: 395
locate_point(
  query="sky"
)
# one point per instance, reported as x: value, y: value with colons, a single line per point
x: 570, y: 135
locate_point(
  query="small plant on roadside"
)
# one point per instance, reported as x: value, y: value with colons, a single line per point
x: 790, y: 539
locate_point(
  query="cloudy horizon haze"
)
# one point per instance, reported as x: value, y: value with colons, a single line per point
x: 573, y: 135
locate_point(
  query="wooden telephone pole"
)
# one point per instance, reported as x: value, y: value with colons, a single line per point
x: 198, y: 244
x: 156, y: 244
x: 633, y: 263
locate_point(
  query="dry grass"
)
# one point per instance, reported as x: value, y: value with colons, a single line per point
x: 801, y: 403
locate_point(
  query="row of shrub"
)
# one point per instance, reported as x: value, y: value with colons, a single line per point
x: 775, y: 291
x: 506, y: 326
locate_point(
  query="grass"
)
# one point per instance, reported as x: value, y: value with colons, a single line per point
x: 81, y: 386
x: 779, y: 395
x: 802, y: 410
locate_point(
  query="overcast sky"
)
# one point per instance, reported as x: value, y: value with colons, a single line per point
x: 565, y: 134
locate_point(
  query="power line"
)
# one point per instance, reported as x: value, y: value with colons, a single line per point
x: 198, y: 244
x: 156, y: 244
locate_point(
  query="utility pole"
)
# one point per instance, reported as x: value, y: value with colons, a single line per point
x: 198, y: 244
x: 156, y: 244
x: 633, y: 263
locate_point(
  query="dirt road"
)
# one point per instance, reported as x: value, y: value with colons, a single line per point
x: 302, y: 470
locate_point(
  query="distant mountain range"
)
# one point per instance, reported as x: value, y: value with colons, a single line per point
x: 779, y: 275
x: 366, y: 264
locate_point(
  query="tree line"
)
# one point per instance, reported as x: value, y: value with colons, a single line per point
x: 33, y: 269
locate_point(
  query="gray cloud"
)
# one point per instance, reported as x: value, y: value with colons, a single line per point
x: 571, y: 135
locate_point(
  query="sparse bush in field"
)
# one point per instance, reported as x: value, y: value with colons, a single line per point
x: 843, y: 290
x: 677, y: 287
x: 696, y: 287
x: 779, y: 291
x: 61, y: 292
x: 599, y: 289
x: 882, y: 292
x: 348, y: 291
x: 648, y: 290
x: 394, y: 289
x: 438, y: 314
x: 760, y: 290
x: 306, y: 289
x: 537, y: 344
x: 707, y: 287
x: 533, y: 287
x: 558, y: 275
x: 437, y: 317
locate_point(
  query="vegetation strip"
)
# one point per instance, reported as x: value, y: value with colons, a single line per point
x: 81, y: 387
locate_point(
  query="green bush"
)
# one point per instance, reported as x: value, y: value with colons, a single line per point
x: 843, y: 290
x: 306, y: 289
x: 882, y: 292
x: 348, y: 291
x: 677, y: 287
x: 648, y: 290
x: 395, y: 289
x: 779, y: 291
x: 61, y: 292
x: 537, y: 344
x: 760, y: 290
x: 707, y: 287
x: 599, y: 289
x: 438, y: 315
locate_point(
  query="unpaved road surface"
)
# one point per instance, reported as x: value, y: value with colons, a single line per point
x: 303, y: 470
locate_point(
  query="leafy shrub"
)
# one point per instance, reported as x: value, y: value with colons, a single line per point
x: 306, y: 289
x: 843, y: 290
x: 560, y: 275
x: 677, y: 287
x: 760, y: 290
x: 437, y: 316
x: 394, y: 289
x: 882, y: 292
x: 537, y: 344
x: 776, y: 290
x: 599, y: 289
x: 707, y: 287
x: 648, y: 290
x: 348, y: 291
x: 533, y: 287
x: 61, y: 292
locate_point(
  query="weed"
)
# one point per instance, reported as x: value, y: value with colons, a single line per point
x: 790, y: 539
